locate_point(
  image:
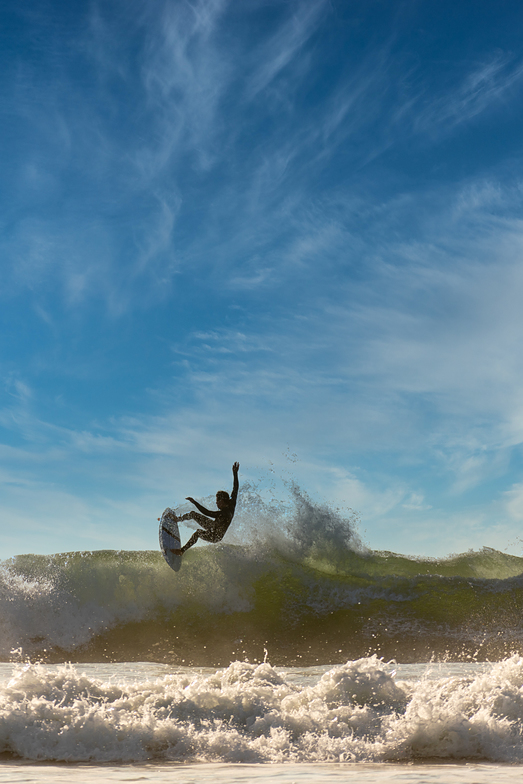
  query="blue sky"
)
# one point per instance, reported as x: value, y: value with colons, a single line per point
x: 284, y: 233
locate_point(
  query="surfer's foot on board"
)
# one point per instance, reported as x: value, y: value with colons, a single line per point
x: 176, y: 552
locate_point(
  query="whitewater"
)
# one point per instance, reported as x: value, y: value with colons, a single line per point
x: 289, y: 651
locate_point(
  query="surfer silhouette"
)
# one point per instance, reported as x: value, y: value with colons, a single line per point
x: 214, y: 528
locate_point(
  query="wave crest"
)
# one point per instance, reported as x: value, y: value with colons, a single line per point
x: 297, y: 582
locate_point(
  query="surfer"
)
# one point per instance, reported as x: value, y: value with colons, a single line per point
x: 214, y: 528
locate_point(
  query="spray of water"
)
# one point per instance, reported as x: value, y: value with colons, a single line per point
x: 294, y: 526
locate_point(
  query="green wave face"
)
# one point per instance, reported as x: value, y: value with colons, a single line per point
x: 300, y: 605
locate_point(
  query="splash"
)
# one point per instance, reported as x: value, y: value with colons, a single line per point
x: 296, y: 527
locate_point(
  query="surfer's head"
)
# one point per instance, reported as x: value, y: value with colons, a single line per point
x: 222, y: 499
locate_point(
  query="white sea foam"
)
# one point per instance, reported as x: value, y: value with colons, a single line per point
x: 250, y: 713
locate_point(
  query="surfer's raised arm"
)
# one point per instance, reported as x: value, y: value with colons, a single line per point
x: 236, y: 484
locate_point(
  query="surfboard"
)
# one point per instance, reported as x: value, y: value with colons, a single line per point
x: 170, y: 539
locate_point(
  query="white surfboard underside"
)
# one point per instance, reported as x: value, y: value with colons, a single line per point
x: 170, y: 539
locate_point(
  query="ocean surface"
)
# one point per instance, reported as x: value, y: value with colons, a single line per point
x: 290, y: 652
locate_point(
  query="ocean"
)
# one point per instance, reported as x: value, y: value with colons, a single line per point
x: 290, y: 654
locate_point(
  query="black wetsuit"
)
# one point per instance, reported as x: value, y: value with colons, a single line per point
x: 214, y: 529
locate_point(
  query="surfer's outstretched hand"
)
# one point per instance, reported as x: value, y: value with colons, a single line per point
x: 190, y: 499
x: 235, y: 467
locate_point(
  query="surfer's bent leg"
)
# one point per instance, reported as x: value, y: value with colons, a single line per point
x: 207, y: 536
x: 205, y: 522
x: 194, y: 538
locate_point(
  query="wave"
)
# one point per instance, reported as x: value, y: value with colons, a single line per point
x: 296, y: 581
x: 304, y: 588
x: 360, y: 711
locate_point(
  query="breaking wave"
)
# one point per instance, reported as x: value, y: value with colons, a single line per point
x: 295, y: 582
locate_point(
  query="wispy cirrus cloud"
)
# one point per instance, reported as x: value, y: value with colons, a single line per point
x: 483, y: 88
x: 270, y: 58
x: 135, y: 221
x: 185, y: 77
x: 429, y: 333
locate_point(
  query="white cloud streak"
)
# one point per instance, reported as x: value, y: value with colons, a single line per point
x: 482, y: 89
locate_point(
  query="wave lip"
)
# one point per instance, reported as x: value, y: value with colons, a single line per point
x: 247, y: 713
